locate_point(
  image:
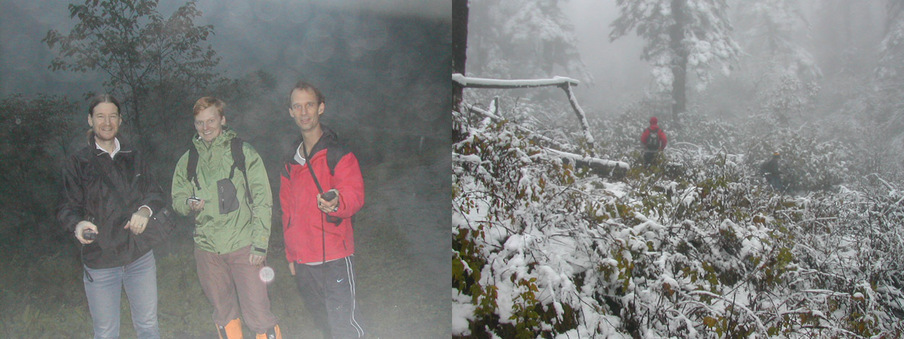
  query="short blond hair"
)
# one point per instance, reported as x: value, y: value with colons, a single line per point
x: 206, y: 102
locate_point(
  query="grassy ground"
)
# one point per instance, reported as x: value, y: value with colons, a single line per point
x: 402, y: 254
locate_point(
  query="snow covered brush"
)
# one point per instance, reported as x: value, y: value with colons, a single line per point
x: 541, y: 249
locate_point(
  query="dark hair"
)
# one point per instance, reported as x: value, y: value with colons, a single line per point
x: 207, y: 102
x: 102, y: 98
x: 301, y: 85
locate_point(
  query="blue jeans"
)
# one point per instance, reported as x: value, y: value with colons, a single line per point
x: 104, y: 287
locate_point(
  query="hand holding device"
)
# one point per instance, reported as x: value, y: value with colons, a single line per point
x: 195, y: 204
x: 85, y: 232
x: 328, y: 195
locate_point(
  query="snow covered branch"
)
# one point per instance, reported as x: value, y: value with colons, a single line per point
x: 595, y: 163
x: 521, y: 83
x: 753, y: 315
x: 592, y: 162
x: 530, y: 134
x: 580, y: 112
x: 561, y: 82
x: 541, y: 250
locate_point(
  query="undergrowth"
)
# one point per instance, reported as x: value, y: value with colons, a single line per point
x: 695, y: 247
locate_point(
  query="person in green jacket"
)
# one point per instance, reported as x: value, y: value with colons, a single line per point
x: 232, y: 223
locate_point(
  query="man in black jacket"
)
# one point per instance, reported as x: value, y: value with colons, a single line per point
x: 770, y: 170
x: 107, y: 198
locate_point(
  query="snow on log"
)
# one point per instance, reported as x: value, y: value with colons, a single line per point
x: 518, y: 83
x: 594, y: 163
x: 561, y: 82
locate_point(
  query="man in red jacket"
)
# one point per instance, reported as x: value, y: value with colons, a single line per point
x: 320, y: 190
x: 653, y: 140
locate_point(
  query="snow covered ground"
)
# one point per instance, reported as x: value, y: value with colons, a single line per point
x: 543, y: 249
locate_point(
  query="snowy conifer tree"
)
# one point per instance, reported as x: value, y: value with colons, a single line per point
x: 776, y: 60
x: 890, y: 71
x: 768, y: 30
x: 681, y: 36
x: 522, y: 39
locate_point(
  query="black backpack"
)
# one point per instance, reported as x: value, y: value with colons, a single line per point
x: 238, y: 161
x: 653, y: 141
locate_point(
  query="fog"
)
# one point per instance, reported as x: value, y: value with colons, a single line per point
x: 615, y: 66
x: 778, y: 105
x: 383, y: 67
x: 249, y: 35
x: 841, y: 39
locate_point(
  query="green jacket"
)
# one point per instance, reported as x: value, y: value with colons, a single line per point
x: 225, y: 233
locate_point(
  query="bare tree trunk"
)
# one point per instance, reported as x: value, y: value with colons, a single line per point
x: 459, y: 46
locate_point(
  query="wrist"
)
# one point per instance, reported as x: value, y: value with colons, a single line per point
x: 144, y: 211
x: 80, y: 226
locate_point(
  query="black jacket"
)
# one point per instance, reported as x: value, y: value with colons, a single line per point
x: 770, y: 167
x: 85, y: 195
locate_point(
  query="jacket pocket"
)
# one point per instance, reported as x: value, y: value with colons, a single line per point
x: 228, y: 199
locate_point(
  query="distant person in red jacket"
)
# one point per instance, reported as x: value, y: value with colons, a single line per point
x: 321, y: 188
x: 653, y: 140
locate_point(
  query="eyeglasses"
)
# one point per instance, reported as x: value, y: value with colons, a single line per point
x: 308, y: 106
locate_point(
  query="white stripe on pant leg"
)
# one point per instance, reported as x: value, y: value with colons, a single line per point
x: 351, y: 283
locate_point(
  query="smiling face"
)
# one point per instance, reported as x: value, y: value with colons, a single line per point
x: 306, y: 109
x: 209, y: 123
x: 104, y: 121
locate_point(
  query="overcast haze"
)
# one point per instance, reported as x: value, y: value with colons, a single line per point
x: 776, y: 144
x: 239, y: 40
x: 384, y: 69
x: 616, y: 67
x: 842, y: 37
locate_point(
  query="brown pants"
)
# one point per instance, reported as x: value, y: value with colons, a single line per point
x: 229, y: 280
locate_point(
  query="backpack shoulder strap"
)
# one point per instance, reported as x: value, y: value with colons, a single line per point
x: 192, y: 168
x: 238, y: 154
x: 238, y: 161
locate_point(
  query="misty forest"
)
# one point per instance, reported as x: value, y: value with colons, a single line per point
x: 383, y: 67
x: 564, y: 225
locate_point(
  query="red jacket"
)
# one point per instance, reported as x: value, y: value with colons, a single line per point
x: 305, y: 227
x: 646, y: 135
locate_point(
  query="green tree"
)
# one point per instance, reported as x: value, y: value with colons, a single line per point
x: 146, y: 56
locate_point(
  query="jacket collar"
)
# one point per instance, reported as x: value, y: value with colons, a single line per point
x: 223, y: 139
x: 123, y: 147
x: 326, y: 140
